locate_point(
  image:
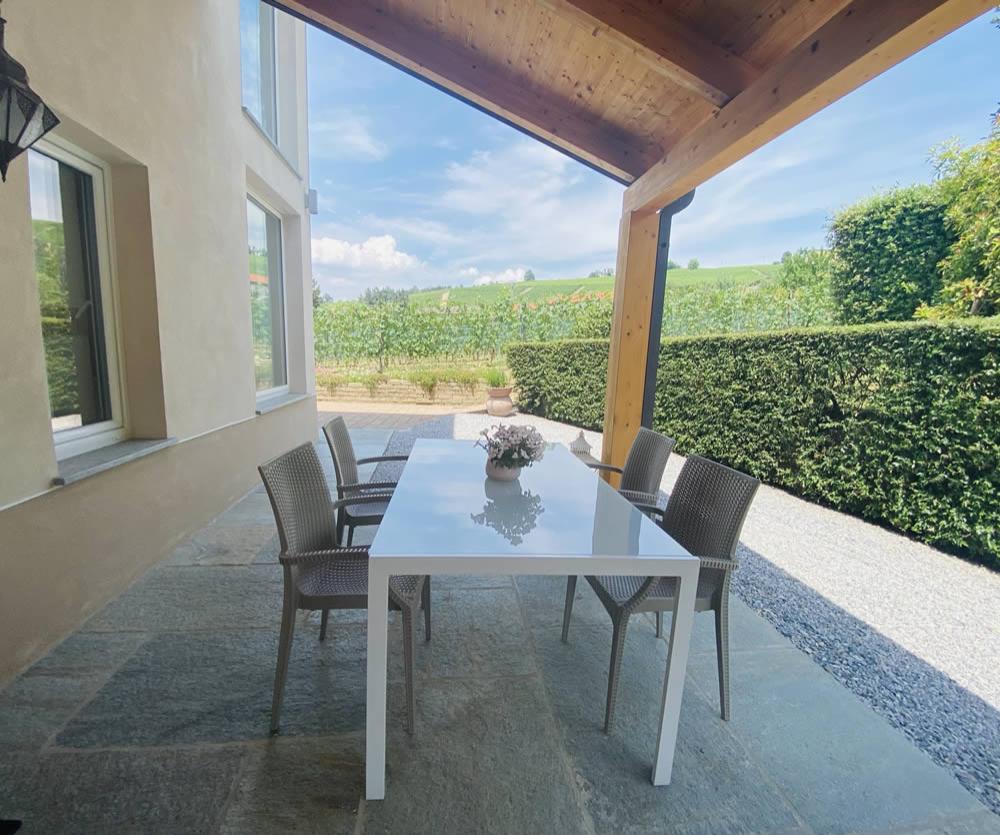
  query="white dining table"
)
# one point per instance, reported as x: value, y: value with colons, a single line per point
x: 559, y: 518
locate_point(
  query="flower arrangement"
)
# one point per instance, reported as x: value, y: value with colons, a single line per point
x: 511, y: 447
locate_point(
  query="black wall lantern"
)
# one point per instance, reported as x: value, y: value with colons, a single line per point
x: 24, y: 117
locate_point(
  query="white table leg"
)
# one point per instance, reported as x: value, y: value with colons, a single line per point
x: 378, y: 613
x: 673, y: 685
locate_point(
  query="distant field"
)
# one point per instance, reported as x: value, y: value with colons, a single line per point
x: 537, y: 291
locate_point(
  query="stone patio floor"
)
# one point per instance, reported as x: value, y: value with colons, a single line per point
x: 153, y: 718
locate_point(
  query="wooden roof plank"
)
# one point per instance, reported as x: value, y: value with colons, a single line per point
x: 863, y: 40
x: 476, y: 78
x: 665, y: 44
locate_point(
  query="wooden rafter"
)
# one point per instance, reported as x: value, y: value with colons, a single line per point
x: 452, y: 65
x: 665, y: 44
x: 861, y: 41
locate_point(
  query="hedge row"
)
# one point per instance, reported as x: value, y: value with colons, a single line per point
x: 895, y: 423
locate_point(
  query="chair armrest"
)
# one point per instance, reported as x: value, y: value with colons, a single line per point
x: 641, y: 497
x: 608, y: 468
x: 378, y: 458
x: 369, y: 498
x: 649, y: 509
x: 721, y: 565
x: 361, y: 487
x: 338, y: 553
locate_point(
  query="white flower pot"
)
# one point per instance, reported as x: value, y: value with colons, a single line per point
x: 498, y: 473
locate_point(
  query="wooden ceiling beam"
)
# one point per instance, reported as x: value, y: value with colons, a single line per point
x: 862, y: 41
x: 665, y: 44
x: 412, y: 43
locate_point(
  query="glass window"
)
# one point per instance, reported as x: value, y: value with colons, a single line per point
x: 257, y: 57
x: 267, y: 298
x: 67, y: 267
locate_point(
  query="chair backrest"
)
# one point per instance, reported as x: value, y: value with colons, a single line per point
x: 345, y: 462
x: 300, y: 499
x: 707, y: 507
x: 646, y: 461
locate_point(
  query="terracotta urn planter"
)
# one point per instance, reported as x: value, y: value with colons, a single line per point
x: 499, y: 403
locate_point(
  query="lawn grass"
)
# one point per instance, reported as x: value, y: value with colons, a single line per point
x: 536, y: 291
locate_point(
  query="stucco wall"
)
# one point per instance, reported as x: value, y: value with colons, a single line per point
x: 154, y: 90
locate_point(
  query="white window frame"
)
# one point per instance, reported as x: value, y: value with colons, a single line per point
x: 81, y: 439
x: 271, y: 53
x: 276, y: 391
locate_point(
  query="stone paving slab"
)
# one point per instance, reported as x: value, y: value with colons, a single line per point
x: 195, y: 598
x: 850, y: 772
x: 487, y: 758
x: 717, y: 786
x: 154, y: 718
x: 302, y: 785
x: 141, y: 792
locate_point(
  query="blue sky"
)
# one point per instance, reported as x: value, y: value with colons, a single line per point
x: 417, y: 188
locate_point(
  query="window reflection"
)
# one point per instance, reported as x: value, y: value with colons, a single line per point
x: 69, y: 292
x: 267, y: 309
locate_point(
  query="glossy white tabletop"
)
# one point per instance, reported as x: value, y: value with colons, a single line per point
x: 445, y: 506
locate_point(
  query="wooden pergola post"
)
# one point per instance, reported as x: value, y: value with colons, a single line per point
x: 638, y: 234
x: 635, y: 332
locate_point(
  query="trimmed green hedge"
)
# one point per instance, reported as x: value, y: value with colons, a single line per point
x: 896, y: 423
x: 561, y: 380
x: 886, y: 254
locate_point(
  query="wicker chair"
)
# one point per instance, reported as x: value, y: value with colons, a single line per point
x: 644, y: 466
x: 705, y: 515
x: 319, y: 573
x: 351, y: 515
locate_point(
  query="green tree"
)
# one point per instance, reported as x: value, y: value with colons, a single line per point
x: 672, y: 264
x: 886, y: 253
x: 806, y: 277
x: 529, y: 275
x: 384, y: 295
x: 693, y: 264
x: 806, y: 269
x: 971, y: 269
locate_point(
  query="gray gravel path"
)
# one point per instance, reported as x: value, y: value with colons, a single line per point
x: 912, y: 631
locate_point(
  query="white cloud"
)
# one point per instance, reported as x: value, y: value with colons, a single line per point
x: 526, y: 202
x: 376, y: 253
x: 420, y: 229
x: 344, y: 135
x: 509, y: 276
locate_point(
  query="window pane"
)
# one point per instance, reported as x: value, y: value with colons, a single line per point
x: 62, y: 216
x: 267, y: 298
x: 257, y: 51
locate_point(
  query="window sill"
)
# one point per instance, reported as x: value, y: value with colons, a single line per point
x: 97, y: 461
x: 270, y: 141
x: 269, y: 404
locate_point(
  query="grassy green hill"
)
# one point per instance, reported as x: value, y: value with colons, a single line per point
x: 537, y: 291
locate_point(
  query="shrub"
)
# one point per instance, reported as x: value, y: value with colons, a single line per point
x: 561, y: 380
x: 972, y: 188
x: 495, y: 378
x: 887, y: 251
x: 426, y: 377
x: 895, y: 423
